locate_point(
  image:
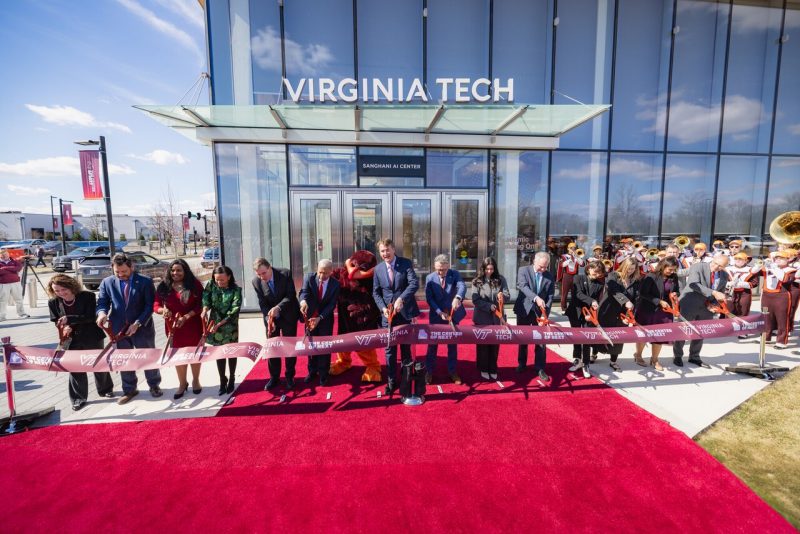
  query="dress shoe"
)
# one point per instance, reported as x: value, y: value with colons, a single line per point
x: 638, y: 360
x: 700, y: 363
x: 223, y: 385
x: 197, y: 390
x: 289, y: 382
x: 389, y: 389
x: 678, y: 361
x: 271, y: 383
x: 156, y: 392
x: 520, y: 368
x: 615, y: 366
x: 180, y: 392
x: 492, y: 376
x: 456, y: 379
x: 655, y: 365
x: 428, y: 378
x: 126, y: 397
x: 231, y: 386
x: 108, y: 395
x: 486, y: 376
x: 543, y: 376
x: 77, y: 404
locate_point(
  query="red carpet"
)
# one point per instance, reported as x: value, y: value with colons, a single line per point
x: 572, y: 457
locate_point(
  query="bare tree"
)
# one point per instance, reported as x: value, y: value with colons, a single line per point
x: 166, y: 222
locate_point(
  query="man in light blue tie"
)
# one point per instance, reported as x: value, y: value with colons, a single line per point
x: 536, y: 286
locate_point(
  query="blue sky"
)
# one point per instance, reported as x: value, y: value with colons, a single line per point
x: 73, y: 71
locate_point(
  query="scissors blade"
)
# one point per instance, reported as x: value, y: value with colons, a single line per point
x: 605, y: 335
x: 690, y: 325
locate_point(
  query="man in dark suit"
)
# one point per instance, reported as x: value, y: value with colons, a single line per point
x: 126, y: 302
x: 318, y: 298
x: 277, y: 299
x: 394, y: 284
x: 705, y: 283
x: 444, y: 291
x: 536, y: 286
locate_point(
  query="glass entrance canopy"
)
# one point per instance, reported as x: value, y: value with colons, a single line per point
x: 527, y: 126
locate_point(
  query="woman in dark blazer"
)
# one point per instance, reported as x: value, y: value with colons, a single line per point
x: 588, y: 291
x: 485, y: 288
x: 622, y: 292
x: 73, y: 310
x: 654, y: 297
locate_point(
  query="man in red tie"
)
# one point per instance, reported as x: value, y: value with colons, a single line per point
x: 317, y: 303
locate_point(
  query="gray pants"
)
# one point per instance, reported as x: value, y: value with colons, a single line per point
x: 129, y: 378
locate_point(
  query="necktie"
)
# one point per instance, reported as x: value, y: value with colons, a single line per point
x: 713, y: 278
x: 443, y: 283
x: 538, y: 281
x: 320, y: 292
x: 390, y: 271
x: 126, y: 291
x: 271, y: 285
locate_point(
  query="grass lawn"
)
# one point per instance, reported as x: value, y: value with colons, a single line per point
x: 760, y: 442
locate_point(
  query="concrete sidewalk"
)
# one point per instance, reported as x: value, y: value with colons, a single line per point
x: 689, y: 398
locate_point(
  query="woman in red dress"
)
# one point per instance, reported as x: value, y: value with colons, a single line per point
x: 179, y: 298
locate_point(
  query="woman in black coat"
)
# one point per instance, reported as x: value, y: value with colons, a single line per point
x: 654, y: 298
x: 588, y: 291
x: 73, y: 309
x: 485, y: 289
x: 622, y: 292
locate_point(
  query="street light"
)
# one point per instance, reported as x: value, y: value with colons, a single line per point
x: 107, y: 195
x: 63, y: 232
x: 53, y: 217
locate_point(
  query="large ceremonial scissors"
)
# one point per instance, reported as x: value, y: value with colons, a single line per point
x: 172, y: 322
x: 675, y: 310
x: 722, y: 307
x: 591, y: 316
x: 629, y: 319
x: 113, y: 339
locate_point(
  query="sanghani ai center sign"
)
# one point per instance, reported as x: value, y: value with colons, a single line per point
x: 398, y: 90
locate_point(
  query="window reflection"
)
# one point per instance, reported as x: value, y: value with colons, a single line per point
x: 392, y: 50
x: 324, y: 166
x: 688, y: 197
x: 641, y: 73
x: 318, y: 39
x: 634, y: 197
x: 220, y: 52
x: 752, y: 64
x: 583, y: 64
x: 458, y: 41
x: 787, y: 122
x: 253, y: 203
x: 457, y: 168
x: 577, y: 199
x: 740, y: 199
x: 520, y: 217
x: 698, y: 66
x: 784, y: 188
x: 265, y: 47
x: 521, y: 43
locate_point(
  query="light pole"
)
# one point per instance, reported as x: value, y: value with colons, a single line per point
x: 107, y: 194
x: 53, y: 217
x: 63, y: 231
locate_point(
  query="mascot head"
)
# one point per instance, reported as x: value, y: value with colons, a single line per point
x: 361, y: 264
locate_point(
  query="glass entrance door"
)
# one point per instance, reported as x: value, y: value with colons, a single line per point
x: 417, y: 230
x: 464, y: 231
x: 367, y: 219
x: 316, y: 232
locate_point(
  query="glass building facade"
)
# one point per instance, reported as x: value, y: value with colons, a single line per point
x: 702, y: 139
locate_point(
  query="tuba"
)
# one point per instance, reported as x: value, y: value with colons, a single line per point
x: 580, y: 253
x: 785, y: 228
x: 608, y: 264
x: 652, y: 254
x: 637, y: 245
x: 682, y: 241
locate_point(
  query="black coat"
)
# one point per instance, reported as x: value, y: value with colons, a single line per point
x: 284, y: 297
x: 85, y: 332
x: 617, y: 295
x: 651, y: 292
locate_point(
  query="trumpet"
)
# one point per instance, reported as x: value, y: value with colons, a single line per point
x: 652, y: 254
x: 580, y: 253
x: 608, y: 264
x: 682, y: 241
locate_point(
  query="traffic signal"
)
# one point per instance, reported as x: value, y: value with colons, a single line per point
x: 197, y: 215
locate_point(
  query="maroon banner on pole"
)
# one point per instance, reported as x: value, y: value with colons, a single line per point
x: 90, y: 174
x: 67, y: 213
x: 42, y: 359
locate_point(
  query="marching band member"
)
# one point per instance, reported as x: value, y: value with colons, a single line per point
x: 718, y: 247
x: 626, y: 250
x: 777, y: 299
x: 734, y: 247
x: 567, y: 269
x: 597, y: 253
x: 794, y: 288
x: 740, y: 287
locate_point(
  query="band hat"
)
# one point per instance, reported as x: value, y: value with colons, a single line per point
x: 597, y: 247
x: 719, y: 242
x: 735, y: 242
x: 741, y: 256
x: 571, y: 245
x: 626, y: 240
x: 700, y: 246
x: 786, y: 254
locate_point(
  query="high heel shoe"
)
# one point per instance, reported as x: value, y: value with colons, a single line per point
x: 223, y: 385
x: 637, y: 358
x: 655, y: 365
x: 181, y: 390
x: 231, y: 386
x: 198, y: 389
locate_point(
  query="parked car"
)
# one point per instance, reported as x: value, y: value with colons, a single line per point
x: 53, y: 248
x: 26, y: 245
x: 93, y: 269
x: 210, y: 258
x: 64, y: 263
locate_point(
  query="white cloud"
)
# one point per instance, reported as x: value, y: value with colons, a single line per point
x: 690, y: 123
x: 161, y: 25
x: 787, y: 162
x: 676, y: 171
x: 128, y: 96
x: 188, y: 9
x: 584, y: 172
x: 794, y: 129
x: 636, y: 168
x: 308, y: 60
x: 27, y: 191
x: 161, y: 157
x: 69, y: 116
x: 654, y: 197
x: 55, y: 166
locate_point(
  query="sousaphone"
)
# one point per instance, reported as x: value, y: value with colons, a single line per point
x: 785, y: 228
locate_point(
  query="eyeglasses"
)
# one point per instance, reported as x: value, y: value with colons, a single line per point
x: 734, y: 246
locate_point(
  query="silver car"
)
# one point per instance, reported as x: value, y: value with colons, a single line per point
x: 93, y: 269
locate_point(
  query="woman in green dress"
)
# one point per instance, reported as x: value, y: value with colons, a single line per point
x: 222, y: 301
